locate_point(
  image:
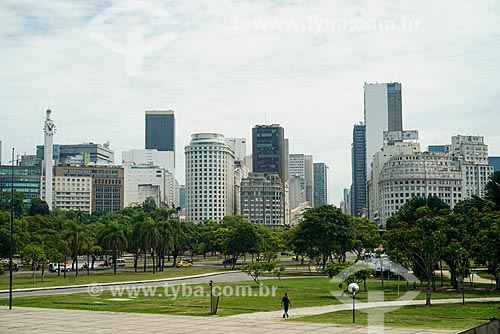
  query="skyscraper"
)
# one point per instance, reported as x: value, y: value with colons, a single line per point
x: 160, y: 130
x: 301, y: 165
x: 383, y: 112
x: 270, y: 156
x: 320, y: 183
x: 358, y: 162
x: 269, y: 151
x: 209, y: 178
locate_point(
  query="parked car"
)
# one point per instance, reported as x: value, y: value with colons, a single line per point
x: 119, y: 262
x: 183, y: 264
x: 229, y: 261
x: 5, y: 264
x: 54, y: 267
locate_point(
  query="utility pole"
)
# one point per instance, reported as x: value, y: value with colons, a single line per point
x: 11, y: 267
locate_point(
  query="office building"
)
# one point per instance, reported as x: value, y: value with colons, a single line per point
x: 240, y: 173
x: 379, y: 159
x: 71, y: 185
x: 77, y: 154
x: 269, y: 151
x: 270, y: 156
x: 182, y: 196
x: 345, y: 203
x: 358, y: 202
x: 151, y: 157
x: 160, y: 130
x: 209, y: 178
x: 309, y: 175
x: 297, y: 181
x: 239, y: 146
x: 73, y: 192
x: 301, y: 165
x: 472, y: 153
x: 296, y: 191
x: 143, y: 181
x: 26, y: 181
x: 262, y: 200
x: 382, y: 112
x: 320, y: 183
x: 471, y: 149
x: 431, y: 174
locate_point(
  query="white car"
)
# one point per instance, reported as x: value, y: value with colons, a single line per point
x: 54, y: 267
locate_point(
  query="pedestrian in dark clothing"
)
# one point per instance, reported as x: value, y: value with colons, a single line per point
x: 285, y: 302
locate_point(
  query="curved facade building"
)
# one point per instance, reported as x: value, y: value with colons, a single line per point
x: 425, y: 174
x: 209, y: 178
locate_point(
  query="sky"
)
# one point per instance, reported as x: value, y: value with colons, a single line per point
x: 225, y: 66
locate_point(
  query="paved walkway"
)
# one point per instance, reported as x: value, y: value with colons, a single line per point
x: 305, y: 311
x: 43, y: 321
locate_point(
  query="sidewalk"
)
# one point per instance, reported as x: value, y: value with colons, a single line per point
x: 305, y: 311
x: 118, y: 283
x: 43, y: 321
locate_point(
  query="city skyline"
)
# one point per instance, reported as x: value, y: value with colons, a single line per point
x: 310, y: 83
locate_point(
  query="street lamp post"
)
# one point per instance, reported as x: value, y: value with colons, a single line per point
x: 211, y: 297
x: 353, y: 288
x: 11, y: 267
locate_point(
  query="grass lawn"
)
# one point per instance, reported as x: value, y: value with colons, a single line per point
x: 485, y: 275
x: 445, y: 316
x: 51, y: 279
x: 304, y: 292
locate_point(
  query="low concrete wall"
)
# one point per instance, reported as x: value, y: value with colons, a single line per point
x: 493, y: 327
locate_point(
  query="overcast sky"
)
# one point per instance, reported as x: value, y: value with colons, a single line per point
x: 226, y: 65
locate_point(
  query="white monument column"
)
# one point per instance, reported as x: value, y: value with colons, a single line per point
x: 49, y: 129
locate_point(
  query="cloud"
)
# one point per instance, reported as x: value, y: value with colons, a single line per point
x: 235, y: 64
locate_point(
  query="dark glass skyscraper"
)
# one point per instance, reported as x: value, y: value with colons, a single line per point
x: 160, y: 130
x: 270, y: 151
x: 358, y: 160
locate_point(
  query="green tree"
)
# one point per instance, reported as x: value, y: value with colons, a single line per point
x: 33, y: 255
x: 366, y: 236
x: 38, y: 207
x: 241, y: 239
x: 488, y: 251
x: 348, y: 272
x: 114, y: 236
x: 493, y: 189
x: 423, y: 241
x: 75, y: 236
x: 325, y: 232
x: 256, y: 269
x: 5, y: 202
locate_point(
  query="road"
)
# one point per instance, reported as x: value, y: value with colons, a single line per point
x: 203, y: 279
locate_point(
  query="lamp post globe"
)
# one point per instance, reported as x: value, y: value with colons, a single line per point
x: 353, y: 288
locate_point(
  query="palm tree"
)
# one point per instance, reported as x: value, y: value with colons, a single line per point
x: 493, y: 189
x: 113, y: 236
x: 75, y: 236
x: 165, y: 241
x: 150, y: 236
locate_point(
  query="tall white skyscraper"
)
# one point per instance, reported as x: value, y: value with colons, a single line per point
x: 301, y: 165
x: 209, y: 178
x: 383, y: 112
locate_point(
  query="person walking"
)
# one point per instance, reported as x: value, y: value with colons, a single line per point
x: 285, y: 302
